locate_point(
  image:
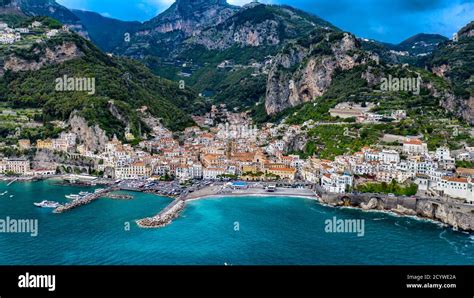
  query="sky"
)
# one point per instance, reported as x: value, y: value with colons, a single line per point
x: 384, y: 20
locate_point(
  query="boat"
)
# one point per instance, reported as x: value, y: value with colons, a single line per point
x: 84, y: 193
x: 99, y: 190
x: 47, y: 204
x: 4, y: 193
x: 73, y: 197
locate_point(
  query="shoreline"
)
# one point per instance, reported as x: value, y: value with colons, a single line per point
x: 315, y: 198
x: 178, y: 204
x: 166, y: 217
x: 173, y: 210
x: 269, y: 195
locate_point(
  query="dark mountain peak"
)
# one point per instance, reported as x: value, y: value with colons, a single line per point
x: 191, y: 16
x: 467, y: 31
x: 48, y: 8
x: 202, y: 2
x: 423, y: 37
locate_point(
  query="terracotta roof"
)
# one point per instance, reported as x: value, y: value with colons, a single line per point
x: 454, y: 179
x: 282, y: 169
x: 413, y: 142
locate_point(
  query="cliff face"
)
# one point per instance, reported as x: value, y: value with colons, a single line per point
x: 460, y: 218
x: 265, y: 33
x: 303, y: 72
x: 190, y: 16
x: 55, y: 55
x: 454, y: 62
x: 258, y: 25
x: 93, y: 137
x: 452, y: 214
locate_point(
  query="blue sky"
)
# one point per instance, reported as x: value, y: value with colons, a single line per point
x: 384, y: 20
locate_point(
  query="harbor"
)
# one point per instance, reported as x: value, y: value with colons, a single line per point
x: 84, y: 200
x: 220, y: 190
x: 204, y: 231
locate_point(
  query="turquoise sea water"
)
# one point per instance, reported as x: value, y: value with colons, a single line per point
x: 271, y: 231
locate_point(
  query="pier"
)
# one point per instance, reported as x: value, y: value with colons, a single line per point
x: 165, y: 217
x: 13, y: 181
x: 118, y: 196
x: 84, y: 201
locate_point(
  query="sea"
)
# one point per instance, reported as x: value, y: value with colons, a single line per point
x: 218, y: 231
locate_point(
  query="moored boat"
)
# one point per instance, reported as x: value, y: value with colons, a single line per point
x: 47, y: 204
x: 73, y: 197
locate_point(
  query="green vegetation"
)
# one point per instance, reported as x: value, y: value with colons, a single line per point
x: 465, y: 164
x: 389, y: 188
x: 123, y: 83
x: 329, y: 141
x: 460, y: 57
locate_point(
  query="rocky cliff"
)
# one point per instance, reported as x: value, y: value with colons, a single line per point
x: 451, y: 213
x: 258, y: 25
x: 190, y: 16
x: 304, y: 70
x: 454, y: 62
x: 51, y: 55
x: 92, y: 137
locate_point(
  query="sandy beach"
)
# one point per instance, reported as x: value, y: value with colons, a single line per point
x: 219, y: 191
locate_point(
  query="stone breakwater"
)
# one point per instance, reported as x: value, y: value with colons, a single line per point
x: 447, y: 211
x: 84, y: 201
x: 165, y: 217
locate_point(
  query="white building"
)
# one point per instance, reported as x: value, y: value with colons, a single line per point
x: 462, y: 188
x: 415, y: 147
x: 336, y: 183
x: 212, y: 173
x: 443, y: 155
x: 7, y: 38
x: 16, y: 166
x: 183, y: 173
x: 137, y: 170
x: 389, y: 156
x: 52, y: 33
x: 364, y: 169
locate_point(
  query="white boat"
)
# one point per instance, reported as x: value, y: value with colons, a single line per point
x: 73, y: 197
x: 84, y: 193
x: 99, y: 190
x: 4, y: 193
x: 47, y: 204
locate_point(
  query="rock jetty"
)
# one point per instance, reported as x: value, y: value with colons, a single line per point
x: 165, y: 217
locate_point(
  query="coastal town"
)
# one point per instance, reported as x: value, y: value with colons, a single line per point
x: 235, y: 150
x: 35, y: 30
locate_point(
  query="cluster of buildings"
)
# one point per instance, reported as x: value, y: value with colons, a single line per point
x: 434, y: 172
x: 233, y: 149
x: 12, y: 35
x: 9, y: 35
x: 238, y: 150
